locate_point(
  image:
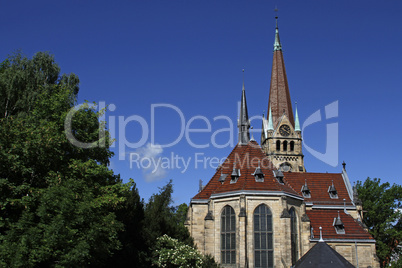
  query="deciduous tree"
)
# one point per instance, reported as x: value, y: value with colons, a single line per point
x: 382, y: 216
x: 57, y: 201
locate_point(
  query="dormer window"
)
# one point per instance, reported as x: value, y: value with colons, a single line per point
x: 333, y: 193
x: 222, y: 178
x: 235, y: 175
x: 258, y: 174
x: 279, y: 176
x: 338, y: 224
x: 305, y: 190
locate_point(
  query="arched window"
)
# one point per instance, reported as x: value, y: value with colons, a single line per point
x: 293, y: 235
x: 228, y: 236
x: 292, y: 146
x: 285, y: 146
x: 263, y: 238
x: 278, y: 145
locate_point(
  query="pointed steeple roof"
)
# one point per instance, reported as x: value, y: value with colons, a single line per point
x: 244, y: 123
x: 279, y: 96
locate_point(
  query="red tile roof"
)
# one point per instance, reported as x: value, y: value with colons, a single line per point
x: 246, y: 158
x: 325, y: 219
x: 318, y: 184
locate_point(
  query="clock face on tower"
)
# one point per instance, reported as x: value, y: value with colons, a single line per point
x: 284, y: 130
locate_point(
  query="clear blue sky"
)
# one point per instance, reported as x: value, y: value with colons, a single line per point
x: 190, y: 54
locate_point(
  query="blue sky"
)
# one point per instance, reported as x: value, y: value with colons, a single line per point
x: 190, y: 54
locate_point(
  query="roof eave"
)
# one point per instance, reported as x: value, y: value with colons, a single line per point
x: 344, y: 240
x: 254, y: 192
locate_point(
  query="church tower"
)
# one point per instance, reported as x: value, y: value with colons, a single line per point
x: 281, y: 137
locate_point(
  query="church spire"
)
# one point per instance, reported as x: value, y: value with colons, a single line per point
x: 279, y: 96
x: 243, y: 123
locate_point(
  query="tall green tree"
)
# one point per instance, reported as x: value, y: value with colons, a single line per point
x: 23, y: 79
x: 383, y: 217
x: 57, y: 201
x: 161, y: 218
x: 133, y: 251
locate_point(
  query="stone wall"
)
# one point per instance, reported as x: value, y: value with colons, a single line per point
x: 205, y: 227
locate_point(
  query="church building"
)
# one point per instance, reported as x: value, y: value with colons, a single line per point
x: 262, y: 209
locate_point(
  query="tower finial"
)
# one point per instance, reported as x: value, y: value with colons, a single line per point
x: 243, y: 78
x: 321, y: 240
x: 276, y: 14
x: 252, y: 136
x: 297, y: 124
x: 270, y: 123
x: 277, y: 44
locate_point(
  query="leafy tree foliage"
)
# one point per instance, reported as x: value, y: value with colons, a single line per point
x: 383, y: 217
x: 60, y: 205
x: 161, y: 217
x: 23, y: 79
x: 57, y: 201
x: 133, y: 252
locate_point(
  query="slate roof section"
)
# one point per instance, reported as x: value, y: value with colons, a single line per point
x: 246, y: 158
x: 325, y: 219
x: 318, y: 184
x: 322, y: 255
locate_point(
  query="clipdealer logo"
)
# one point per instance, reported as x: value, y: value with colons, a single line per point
x: 147, y: 154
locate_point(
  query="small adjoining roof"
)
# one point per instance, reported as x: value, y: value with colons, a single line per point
x: 325, y: 218
x: 318, y: 184
x: 322, y: 255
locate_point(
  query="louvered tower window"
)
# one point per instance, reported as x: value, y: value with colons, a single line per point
x: 278, y: 145
x: 293, y: 236
x: 263, y: 237
x: 228, y: 236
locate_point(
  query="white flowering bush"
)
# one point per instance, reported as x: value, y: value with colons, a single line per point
x: 170, y: 252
